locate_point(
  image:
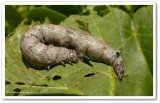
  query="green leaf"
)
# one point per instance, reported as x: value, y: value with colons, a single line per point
x: 143, y: 30
x: 40, y: 13
x: 67, y: 9
x: 101, y: 10
x: 12, y: 18
x: 138, y: 55
x: 82, y: 79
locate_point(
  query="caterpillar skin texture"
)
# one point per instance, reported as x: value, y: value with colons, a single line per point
x: 50, y: 44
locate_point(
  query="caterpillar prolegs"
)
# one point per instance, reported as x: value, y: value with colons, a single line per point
x: 50, y: 44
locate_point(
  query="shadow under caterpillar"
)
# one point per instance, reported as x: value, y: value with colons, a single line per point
x: 50, y: 44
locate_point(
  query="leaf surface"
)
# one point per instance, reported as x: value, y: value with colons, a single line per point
x: 118, y: 30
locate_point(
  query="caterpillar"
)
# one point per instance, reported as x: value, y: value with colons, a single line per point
x: 49, y: 44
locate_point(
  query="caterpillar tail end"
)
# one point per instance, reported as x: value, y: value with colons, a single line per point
x: 119, y: 67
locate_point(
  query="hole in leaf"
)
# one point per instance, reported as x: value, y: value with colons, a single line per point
x: 56, y: 77
x: 83, y: 25
x: 44, y: 85
x: 17, y: 91
x: 7, y: 82
x: 20, y: 83
x: 90, y: 74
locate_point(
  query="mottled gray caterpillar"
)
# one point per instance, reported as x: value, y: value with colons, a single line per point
x: 50, y: 44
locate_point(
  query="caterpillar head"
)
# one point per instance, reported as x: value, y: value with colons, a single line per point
x: 119, y: 67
